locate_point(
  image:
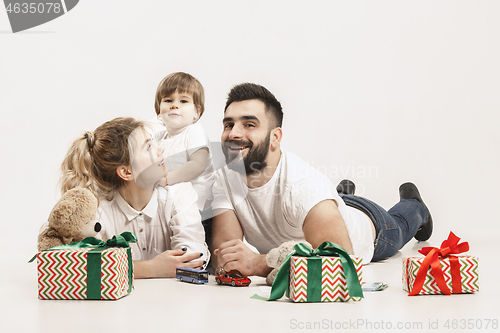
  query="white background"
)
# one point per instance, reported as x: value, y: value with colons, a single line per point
x: 381, y: 92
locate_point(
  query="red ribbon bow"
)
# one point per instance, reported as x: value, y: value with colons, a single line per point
x: 432, y: 256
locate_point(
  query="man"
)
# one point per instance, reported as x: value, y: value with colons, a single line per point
x: 276, y: 197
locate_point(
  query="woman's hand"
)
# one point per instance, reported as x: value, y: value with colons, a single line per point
x: 165, y: 264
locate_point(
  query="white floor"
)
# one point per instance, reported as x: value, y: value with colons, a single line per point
x: 167, y: 305
x: 381, y: 92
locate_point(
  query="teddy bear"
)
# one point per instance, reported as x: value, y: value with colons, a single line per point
x: 71, y: 220
x: 276, y: 256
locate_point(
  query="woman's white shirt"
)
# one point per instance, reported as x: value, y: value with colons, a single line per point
x: 169, y: 221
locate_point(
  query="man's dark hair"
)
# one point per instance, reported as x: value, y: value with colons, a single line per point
x: 247, y: 91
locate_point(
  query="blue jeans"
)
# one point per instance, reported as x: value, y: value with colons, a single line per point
x: 395, y: 227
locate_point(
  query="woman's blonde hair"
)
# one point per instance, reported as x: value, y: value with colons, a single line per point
x: 92, y: 159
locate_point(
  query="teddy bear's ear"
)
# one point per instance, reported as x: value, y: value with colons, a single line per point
x: 73, y: 211
x: 60, y: 214
x: 272, y: 258
x: 52, y: 233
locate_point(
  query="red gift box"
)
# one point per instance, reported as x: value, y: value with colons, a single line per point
x: 441, y: 272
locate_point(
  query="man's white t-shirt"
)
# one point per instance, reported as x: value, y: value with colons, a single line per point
x: 179, y: 148
x: 274, y: 213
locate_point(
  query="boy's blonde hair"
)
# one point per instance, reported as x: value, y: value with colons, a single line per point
x: 182, y: 83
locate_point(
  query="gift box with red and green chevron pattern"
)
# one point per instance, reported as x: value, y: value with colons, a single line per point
x: 469, y: 276
x: 333, y: 282
x: 65, y: 274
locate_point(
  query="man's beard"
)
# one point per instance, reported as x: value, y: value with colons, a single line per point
x: 254, y: 161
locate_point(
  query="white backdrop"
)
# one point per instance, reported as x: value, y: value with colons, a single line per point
x: 381, y: 92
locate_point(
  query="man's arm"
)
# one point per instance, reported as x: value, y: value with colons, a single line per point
x: 225, y: 227
x: 324, y: 223
x: 229, y: 251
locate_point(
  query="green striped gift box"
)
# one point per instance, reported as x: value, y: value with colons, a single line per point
x: 67, y: 274
x: 332, y: 283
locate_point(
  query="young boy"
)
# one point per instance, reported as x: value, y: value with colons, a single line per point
x: 179, y: 102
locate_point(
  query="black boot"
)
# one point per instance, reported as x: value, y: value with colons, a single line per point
x: 346, y: 187
x: 410, y: 191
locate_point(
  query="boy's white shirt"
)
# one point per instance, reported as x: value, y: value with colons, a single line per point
x: 179, y: 148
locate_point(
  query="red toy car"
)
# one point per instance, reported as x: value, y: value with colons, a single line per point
x: 233, y: 278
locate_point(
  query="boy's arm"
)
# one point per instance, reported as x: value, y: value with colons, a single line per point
x: 191, y: 169
x: 186, y: 230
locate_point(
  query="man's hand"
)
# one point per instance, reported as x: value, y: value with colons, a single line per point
x: 235, y: 255
x: 165, y: 264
